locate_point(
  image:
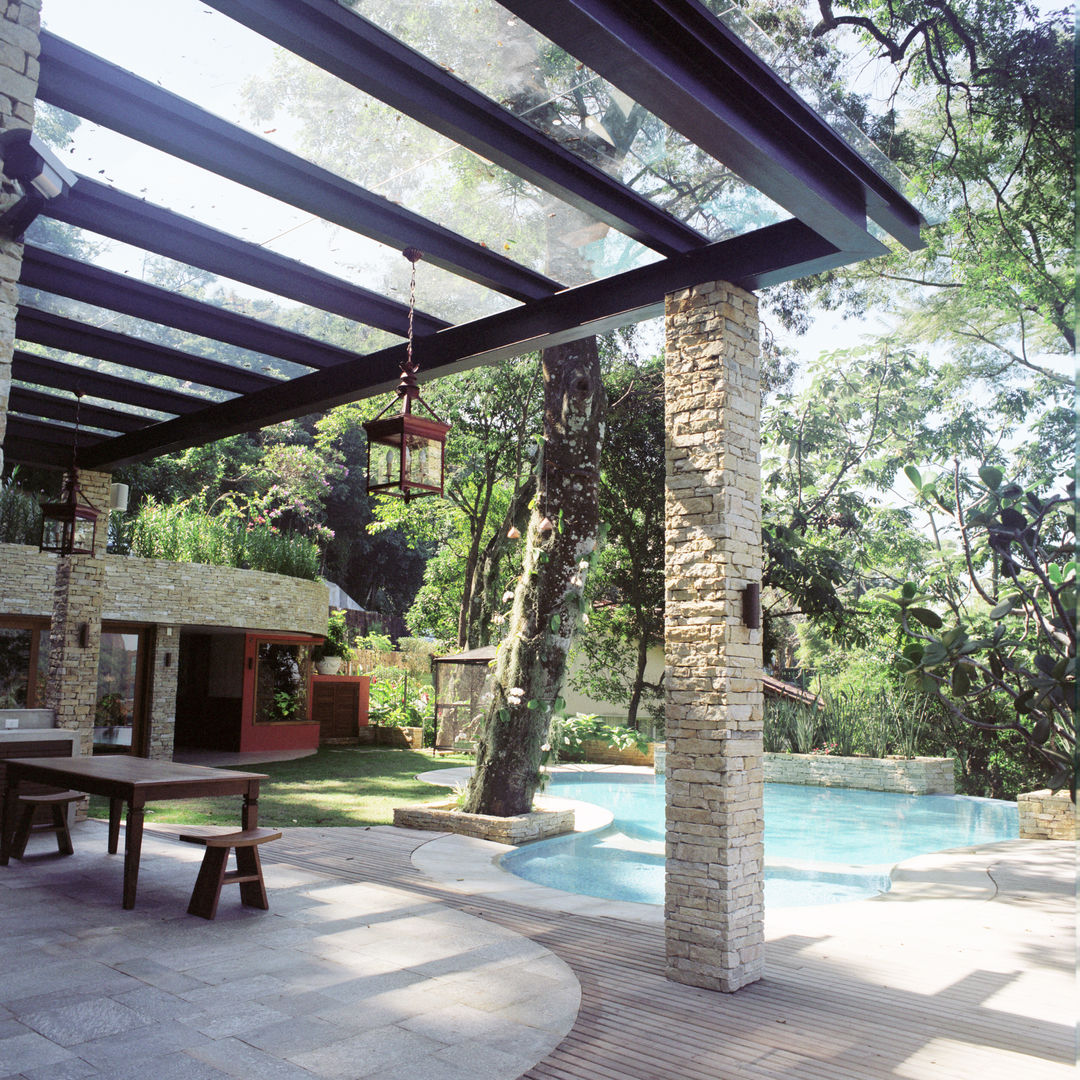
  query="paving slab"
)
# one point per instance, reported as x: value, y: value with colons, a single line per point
x: 335, y: 980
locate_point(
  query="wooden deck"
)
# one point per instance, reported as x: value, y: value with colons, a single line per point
x: 927, y: 986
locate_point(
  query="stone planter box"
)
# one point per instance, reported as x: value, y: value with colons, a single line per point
x: 1047, y: 815
x: 404, y: 738
x: 520, y: 829
x: 910, y: 776
x: 599, y: 752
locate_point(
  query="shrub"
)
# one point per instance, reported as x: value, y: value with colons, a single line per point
x: 566, y: 739
x: 20, y: 514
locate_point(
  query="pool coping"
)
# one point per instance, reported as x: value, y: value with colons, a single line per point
x: 469, y: 865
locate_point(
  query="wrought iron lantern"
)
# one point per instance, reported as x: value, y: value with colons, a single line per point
x: 405, y: 451
x: 69, y: 527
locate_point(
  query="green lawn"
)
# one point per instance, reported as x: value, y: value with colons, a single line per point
x: 335, y: 787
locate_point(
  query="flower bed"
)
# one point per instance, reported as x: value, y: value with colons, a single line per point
x: 911, y: 776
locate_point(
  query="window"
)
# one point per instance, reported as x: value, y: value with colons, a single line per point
x: 282, y: 677
x: 24, y: 662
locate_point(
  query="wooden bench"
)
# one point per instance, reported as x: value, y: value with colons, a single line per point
x: 58, y: 802
x: 213, y: 874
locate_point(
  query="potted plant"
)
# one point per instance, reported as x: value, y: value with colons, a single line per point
x: 335, y: 650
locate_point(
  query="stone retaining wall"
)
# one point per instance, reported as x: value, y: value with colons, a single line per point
x: 911, y: 776
x: 27, y: 577
x: 520, y: 829
x: 1047, y: 815
x: 599, y: 752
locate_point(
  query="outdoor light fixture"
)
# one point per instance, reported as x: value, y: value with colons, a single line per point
x: 405, y: 452
x: 68, y: 527
x: 39, y: 171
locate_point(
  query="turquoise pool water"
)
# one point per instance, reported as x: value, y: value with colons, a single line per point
x: 822, y: 845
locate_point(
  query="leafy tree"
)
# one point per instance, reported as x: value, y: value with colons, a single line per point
x: 626, y: 588
x: 1003, y: 657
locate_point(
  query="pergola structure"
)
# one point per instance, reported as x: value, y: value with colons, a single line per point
x: 668, y: 71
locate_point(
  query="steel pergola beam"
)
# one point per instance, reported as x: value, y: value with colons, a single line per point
x: 82, y: 83
x: 38, y: 370
x: 101, y: 209
x: 684, y: 65
x: 55, y: 407
x: 765, y: 257
x: 63, y: 276
x: 360, y: 53
x: 57, y: 332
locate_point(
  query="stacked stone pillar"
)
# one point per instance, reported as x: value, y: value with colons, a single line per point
x: 161, y: 723
x: 19, y: 49
x: 715, y: 852
x: 75, y: 634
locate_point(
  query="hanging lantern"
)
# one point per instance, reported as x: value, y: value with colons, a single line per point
x: 69, y: 527
x: 405, y: 452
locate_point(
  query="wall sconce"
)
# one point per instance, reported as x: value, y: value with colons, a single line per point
x: 84, y: 635
x: 39, y: 171
x: 168, y: 659
x: 751, y: 606
x: 118, y: 497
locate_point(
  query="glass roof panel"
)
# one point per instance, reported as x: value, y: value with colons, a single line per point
x: 503, y: 57
x: 237, y: 75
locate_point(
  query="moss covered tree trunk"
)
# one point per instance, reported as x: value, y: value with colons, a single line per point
x: 531, y: 661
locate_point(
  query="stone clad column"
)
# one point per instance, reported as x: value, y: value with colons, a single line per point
x: 715, y: 853
x: 78, y: 595
x: 19, y: 49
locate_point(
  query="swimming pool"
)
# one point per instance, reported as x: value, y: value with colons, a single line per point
x: 822, y: 845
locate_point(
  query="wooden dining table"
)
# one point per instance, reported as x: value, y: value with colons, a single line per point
x: 124, y: 778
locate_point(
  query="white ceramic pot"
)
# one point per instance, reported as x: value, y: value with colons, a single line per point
x: 328, y: 665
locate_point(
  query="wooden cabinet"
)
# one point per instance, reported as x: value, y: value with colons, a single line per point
x: 340, y: 704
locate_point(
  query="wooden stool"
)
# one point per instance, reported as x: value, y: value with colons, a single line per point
x: 58, y: 803
x: 212, y: 875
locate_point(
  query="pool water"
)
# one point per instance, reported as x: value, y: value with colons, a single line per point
x: 822, y: 845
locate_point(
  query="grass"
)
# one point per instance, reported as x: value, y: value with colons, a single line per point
x: 336, y: 787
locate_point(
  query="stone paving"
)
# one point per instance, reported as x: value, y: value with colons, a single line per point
x: 337, y: 980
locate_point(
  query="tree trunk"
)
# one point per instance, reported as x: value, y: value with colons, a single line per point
x: 472, y: 558
x: 531, y: 660
x: 639, y: 682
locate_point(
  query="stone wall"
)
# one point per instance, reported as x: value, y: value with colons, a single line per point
x: 911, y: 776
x: 27, y: 578
x: 19, y: 49
x: 193, y: 594
x: 714, y: 910
x: 598, y: 752
x: 1047, y: 815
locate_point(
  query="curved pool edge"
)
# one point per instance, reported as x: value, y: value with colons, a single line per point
x: 467, y: 865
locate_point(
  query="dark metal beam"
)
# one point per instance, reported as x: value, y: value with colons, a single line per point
x: 65, y: 408
x: 44, y: 371
x: 358, y: 52
x: 82, y: 83
x: 680, y: 62
x: 22, y: 430
x: 45, y: 328
x: 101, y: 209
x: 767, y: 256
x: 58, y: 274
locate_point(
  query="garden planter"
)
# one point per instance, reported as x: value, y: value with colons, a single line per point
x: 910, y: 776
x: 519, y: 829
x: 599, y: 752
x: 328, y: 665
x: 1047, y: 815
x: 404, y: 738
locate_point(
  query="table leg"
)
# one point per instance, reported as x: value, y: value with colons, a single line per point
x: 132, y: 851
x: 7, y: 818
x: 249, y: 815
x: 116, y: 808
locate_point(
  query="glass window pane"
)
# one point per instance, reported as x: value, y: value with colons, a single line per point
x: 114, y: 713
x: 14, y: 667
x: 282, y: 672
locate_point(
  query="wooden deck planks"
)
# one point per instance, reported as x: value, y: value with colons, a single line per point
x: 809, y: 1019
